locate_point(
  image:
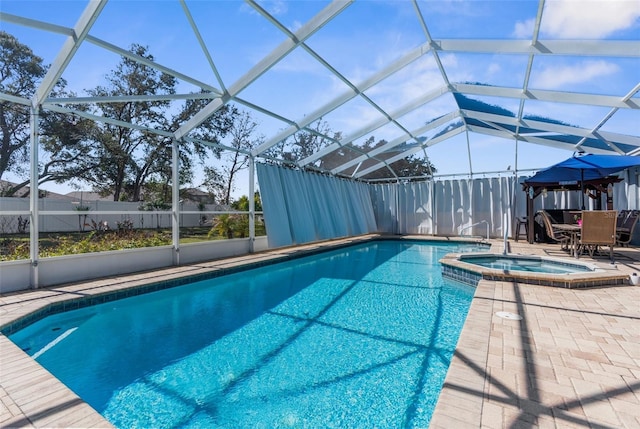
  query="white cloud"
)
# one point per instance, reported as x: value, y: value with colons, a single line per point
x: 559, y: 77
x: 295, y: 26
x: 588, y: 19
x: 524, y: 30
x: 351, y: 117
x: 275, y: 7
x: 494, y: 68
x: 415, y: 79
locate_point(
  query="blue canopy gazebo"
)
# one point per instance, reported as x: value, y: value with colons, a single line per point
x: 586, y: 167
x: 586, y: 172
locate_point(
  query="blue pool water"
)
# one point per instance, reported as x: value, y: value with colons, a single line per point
x: 536, y: 265
x: 354, y: 337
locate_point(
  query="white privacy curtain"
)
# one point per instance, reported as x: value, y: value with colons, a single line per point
x: 449, y: 207
x: 300, y: 207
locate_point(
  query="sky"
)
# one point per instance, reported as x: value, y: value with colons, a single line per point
x: 361, y: 41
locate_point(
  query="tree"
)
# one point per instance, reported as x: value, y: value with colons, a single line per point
x: 306, y: 142
x: 20, y: 72
x: 230, y: 225
x: 62, y: 137
x: 128, y: 157
x: 68, y: 150
x: 132, y: 162
x: 223, y: 226
x: 410, y: 166
x: 242, y: 203
x: 214, y: 183
x: 220, y: 181
x: 212, y: 131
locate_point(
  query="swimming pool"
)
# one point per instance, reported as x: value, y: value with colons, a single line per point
x: 351, y: 337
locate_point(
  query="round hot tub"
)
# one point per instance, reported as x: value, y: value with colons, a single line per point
x: 533, y: 264
x: 470, y: 268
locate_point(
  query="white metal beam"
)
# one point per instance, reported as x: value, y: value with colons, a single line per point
x: 142, y: 60
x: 130, y: 98
x: 40, y: 25
x: 262, y: 110
x: 411, y: 151
x: 200, y: 117
x: 398, y: 141
x: 34, y: 23
x: 34, y: 194
x: 175, y: 200
x: 14, y: 99
x: 306, y: 120
x: 107, y: 120
x: 598, y: 48
x: 584, y: 48
x: 546, y: 95
x: 202, y: 44
x: 527, y: 73
x: 425, y: 30
x: 397, y: 65
x: 281, y: 51
x: 610, y: 114
x: 217, y: 145
x: 552, y: 127
x: 403, y: 110
x: 70, y: 47
x: 531, y: 139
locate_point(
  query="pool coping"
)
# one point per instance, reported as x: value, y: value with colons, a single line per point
x: 455, y: 268
x: 31, y: 396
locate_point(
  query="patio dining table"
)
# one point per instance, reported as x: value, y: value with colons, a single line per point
x: 573, y: 230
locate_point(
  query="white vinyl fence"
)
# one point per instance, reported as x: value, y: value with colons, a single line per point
x: 86, y: 220
x: 325, y: 207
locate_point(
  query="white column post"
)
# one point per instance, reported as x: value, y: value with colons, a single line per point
x: 252, y: 204
x: 175, y: 201
x: 34, y: 230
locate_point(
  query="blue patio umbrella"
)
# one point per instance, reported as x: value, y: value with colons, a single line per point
x: 602, y: 164
x: 583, y: 168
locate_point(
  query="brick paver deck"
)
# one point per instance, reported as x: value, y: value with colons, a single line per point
x: 572, y: 360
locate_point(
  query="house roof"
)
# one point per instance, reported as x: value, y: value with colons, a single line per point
x: 24, y: 191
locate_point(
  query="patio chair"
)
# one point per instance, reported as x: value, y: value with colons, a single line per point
x: 622, y: 216
x: 598, y: 229
x: 554, y: 234
x: 521, y: 222
x: 625, y: 226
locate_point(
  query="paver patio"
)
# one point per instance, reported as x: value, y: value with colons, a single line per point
x: 573, y: 360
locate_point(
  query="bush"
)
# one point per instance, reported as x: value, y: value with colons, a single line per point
x: 98, y: 240
x: 102, y: 238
